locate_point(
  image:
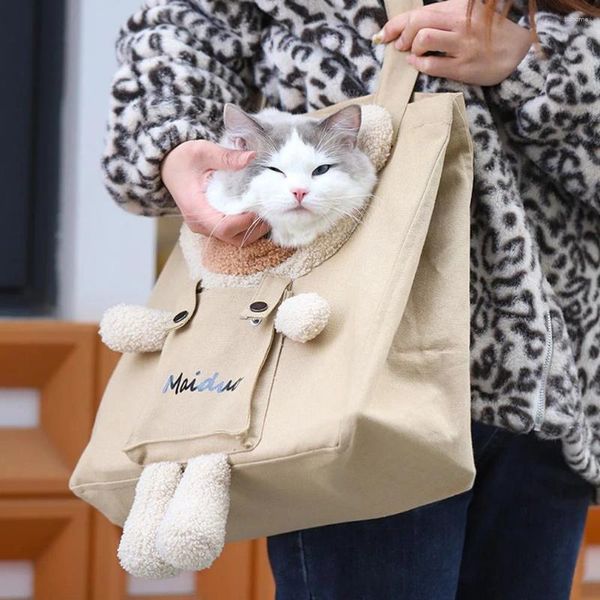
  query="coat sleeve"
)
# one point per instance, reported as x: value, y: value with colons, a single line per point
x: 551, y: 103
x: 179, y: 62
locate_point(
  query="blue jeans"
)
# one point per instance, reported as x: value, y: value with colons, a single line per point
x: 514, y: 536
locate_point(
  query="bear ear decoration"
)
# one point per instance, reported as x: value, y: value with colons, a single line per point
x: 342, y: 126
x: 376, y: 134
x: 243, y: 130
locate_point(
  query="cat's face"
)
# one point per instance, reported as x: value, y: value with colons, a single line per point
x: 307, y: 174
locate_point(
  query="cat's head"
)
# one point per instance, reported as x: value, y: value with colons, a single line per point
x: 307, y: 175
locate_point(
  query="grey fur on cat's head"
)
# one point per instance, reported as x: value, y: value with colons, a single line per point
x: 307, y: 174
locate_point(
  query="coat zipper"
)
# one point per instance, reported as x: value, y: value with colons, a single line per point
x: 540, y: 407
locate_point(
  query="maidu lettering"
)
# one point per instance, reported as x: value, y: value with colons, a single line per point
x: 179, y: 384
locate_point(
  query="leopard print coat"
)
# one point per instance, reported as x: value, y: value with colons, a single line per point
x: 535, y: 249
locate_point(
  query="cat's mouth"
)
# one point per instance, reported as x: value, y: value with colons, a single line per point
x: 299, y: 210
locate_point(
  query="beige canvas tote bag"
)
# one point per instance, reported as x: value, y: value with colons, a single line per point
x: 369, y: 419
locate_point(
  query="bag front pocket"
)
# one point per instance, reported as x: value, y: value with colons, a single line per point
x: 207, y: 375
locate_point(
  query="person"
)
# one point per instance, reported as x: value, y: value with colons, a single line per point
x: 531, y: 82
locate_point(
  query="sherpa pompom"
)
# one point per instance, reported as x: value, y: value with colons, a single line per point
x: 302, y: 317
x: 130, y: 328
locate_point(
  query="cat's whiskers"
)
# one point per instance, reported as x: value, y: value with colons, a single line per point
x: 260, y: 219
x: 355, y: 219
x: 356, y: 215
x: 218, y: 224
x: 345, y: 196
x: 252, y: 227
x: 329, y: 221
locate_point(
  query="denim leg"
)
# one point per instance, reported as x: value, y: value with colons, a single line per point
x: 514, y: 536
x: 525, y: 523
x: 377, y: 559
x: 410, y: 556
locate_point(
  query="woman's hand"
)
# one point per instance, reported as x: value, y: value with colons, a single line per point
x: 470, y: 54
x: 185, y: 172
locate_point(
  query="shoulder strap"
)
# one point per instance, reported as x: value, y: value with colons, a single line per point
x: 397, y: 77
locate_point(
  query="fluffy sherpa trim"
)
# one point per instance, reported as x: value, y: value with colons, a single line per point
x: 130, y: 328
x: 137, y: 551
x: 221, y: 257
x: 375, y: 134
x: 300, y: 263
x: 192, y: 534
x: 302, y: 317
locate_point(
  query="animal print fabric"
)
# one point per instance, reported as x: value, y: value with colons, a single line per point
x: 535, y: 249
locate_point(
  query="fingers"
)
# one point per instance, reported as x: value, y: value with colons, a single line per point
x: 186, y: 171
x: 229, y: 160
x: 211, y: 222
x: 404, y: 27
x: 437, y: 66
x: 392, y: 29
x: 422, y: 19
x: 241, y: 230
x: 436, y: 40
x: 237, y: 230
x: 256, y: 231
x: 234, y: 225
x: 205, y: 180
x: 201, y: 217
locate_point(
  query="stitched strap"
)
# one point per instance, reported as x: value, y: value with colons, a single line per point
x: 267, y: 297
x: 397, y: 78
x: 187, y: 304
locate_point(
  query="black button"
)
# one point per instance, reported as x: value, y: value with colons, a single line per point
x: 180, y: 316
x: 259, y: 306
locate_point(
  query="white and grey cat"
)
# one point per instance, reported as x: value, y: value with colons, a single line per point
x: 307, y: 175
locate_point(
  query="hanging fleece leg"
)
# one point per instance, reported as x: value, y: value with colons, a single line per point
x: 137, y: 551
x: 192, y: 534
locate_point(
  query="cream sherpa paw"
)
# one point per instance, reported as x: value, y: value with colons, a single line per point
x: 130, y: 328
x: 137, y: 550
x: 375, y: 134
x: 192, y: 534
x: 302, y: 317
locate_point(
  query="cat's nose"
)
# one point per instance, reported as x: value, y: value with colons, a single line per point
x: 299, y: 193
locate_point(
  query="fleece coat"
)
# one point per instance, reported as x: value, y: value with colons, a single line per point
x: 535, y: 222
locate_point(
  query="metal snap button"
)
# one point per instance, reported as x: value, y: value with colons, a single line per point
x: 180, y: 316
x: 256, y: 322
x: 258, y: 307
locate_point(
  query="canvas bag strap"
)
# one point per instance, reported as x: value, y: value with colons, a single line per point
x: 397, y: 78
x: 266, y: 298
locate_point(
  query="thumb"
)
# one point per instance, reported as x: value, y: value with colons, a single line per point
x: 232, y: 160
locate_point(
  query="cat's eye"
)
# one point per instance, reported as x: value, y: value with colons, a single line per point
x: 321, y: 170
x: 276, y: 170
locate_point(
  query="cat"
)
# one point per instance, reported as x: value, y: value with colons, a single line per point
x: 307, y: 175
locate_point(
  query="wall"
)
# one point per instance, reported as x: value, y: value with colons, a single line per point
x: 105, y: 255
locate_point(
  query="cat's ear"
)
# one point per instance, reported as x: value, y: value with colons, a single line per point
x: 343, y: 126
x: 243, y: 130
